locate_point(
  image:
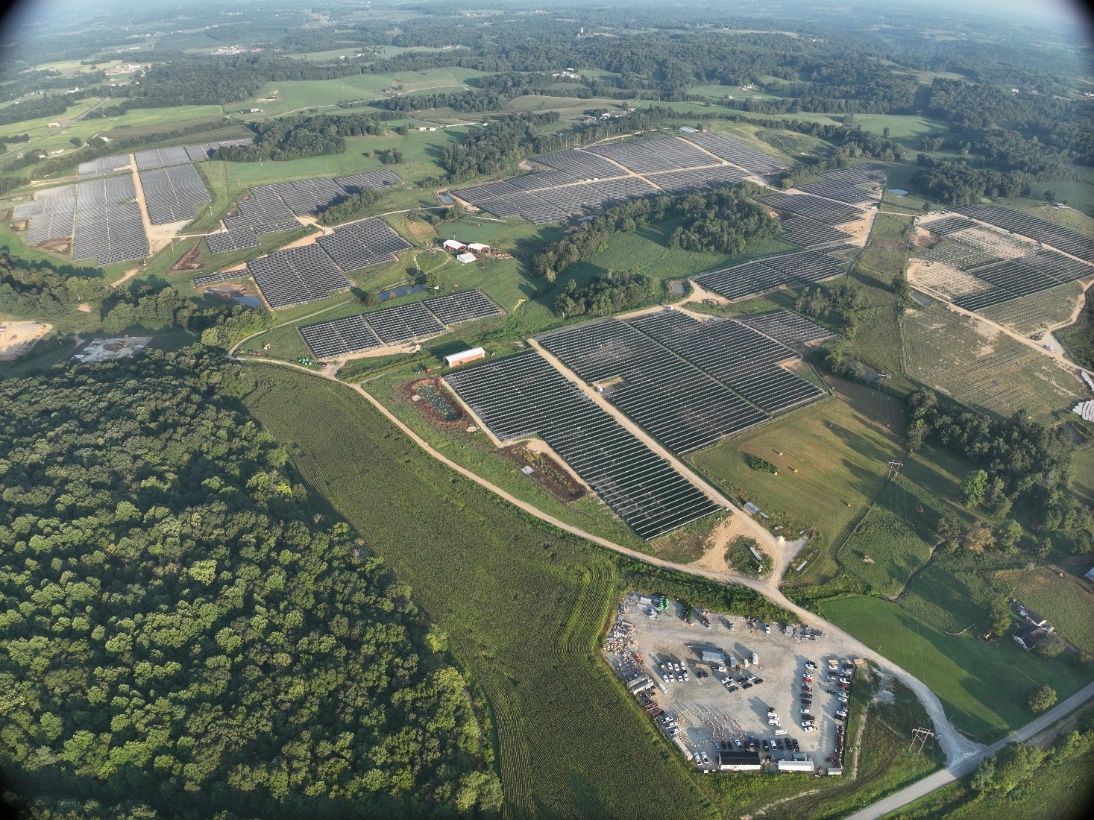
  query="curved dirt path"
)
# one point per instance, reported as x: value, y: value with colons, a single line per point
x: 956, y: 747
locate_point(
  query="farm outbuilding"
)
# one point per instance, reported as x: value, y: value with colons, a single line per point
x: 739, y: 761
x: 454, y: 245
x: 478, y: 247
x: 466, y: 258
x: 713, y: 656
x: 796, y: 766
x: 464, y: 356
x: 1029, y: 636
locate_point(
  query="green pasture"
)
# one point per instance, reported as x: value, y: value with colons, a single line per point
x: 1066, y: 601
x: 296, y: 95
x: 885, y: 550
x: 983, y: 687
x: 517, y: 604
x: 840, y: 448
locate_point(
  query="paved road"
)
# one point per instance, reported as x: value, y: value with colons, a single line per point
x: 967, y: 764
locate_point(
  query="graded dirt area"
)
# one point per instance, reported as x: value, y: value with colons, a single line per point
x: 706, y: 710
x: 17, y: 338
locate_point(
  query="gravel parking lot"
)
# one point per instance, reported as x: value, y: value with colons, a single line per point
x: 705, y: 709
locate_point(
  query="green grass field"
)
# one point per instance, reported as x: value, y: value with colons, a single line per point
x: 884, y: 550
x: 1067, y: 602
x: 840, y: 448
x: 520, y: 607
x: 983, y: 687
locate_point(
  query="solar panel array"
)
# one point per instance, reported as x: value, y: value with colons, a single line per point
x: 295, y: 275
x: 737, y: 152
x: 1012, y: 278
x: 173, y: 194
x: 220, y: 276
x: 814, y: 207
x: 1040, y: 230
x: 859, y: 174
x: 801, y: 230
x: 233, y: 240
x: 361, y: 244
x: 651, y: 155
x: 949, y: 224
x: 752, y: 278
x: 787, y: 328
x: 523, y: 395
x: 960, y: 254
x: 108, y: 224
x: 674, y: 402
x: 840, y: 191
x: 104, y: 165
x: 263, y: 212
x: 739, y: 357
x: 203, y: 150
x: 591, y: 178
x: 161, y: 157
x: 369, y: 180
x: 417, y: 320
x: 50, y: 214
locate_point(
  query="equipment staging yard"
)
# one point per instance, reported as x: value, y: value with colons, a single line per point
x: 705, y: 709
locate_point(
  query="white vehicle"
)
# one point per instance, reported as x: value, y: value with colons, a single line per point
x: 698, y: 759
x: 780, y: 731
x: 663, y: 688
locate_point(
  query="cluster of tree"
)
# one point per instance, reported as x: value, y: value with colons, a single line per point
x: 41, y: 289
x: 723, y: 219
x: 605, y: 294
x: 475, y: 100
x: 840, y: 87
x: 761, y: 465
x: 1012, y: 773
x: 286, y: 138
x: 351, y: 207
x: 49, y: 105
x: 839, y: 305
x: 956, y: 182
x: 489, y: 150
x: 1022, y: 461
x: 191, y: 631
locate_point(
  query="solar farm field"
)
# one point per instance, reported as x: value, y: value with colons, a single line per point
x: 832, y: 461
x: 393, y: 325
x: 980, y: 366
x: 1037, y: 229
x: 517, y: 603
x: 771, y: 273
x: 1038, y: 311
x: 523, y: 395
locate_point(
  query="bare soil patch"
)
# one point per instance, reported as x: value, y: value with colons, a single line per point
x: 547, y: 472
x: 188, y: 262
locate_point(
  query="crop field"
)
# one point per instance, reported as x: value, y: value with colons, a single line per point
x: 832, y: 460
x: 981, y: 367
x: 983, y: 687
x: 520, y: 606
x: 1038, y: 311
x: 1067, y: 602
x: 1082, y: 474
x: 884, y: 550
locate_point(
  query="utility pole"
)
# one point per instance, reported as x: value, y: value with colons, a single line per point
x: 894, y: 468
x: 922, y: 735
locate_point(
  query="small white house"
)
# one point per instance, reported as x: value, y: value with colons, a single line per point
x: 454, y: 245
x: 466, y: 258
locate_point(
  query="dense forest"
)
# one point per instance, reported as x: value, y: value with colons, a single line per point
x: 193, y: 636
x: 287, y: 138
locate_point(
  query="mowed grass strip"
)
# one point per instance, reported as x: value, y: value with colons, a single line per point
x: 983, y: 687
x: 840, y: 448
x: 522, y: 607
x: 1065, y: 601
